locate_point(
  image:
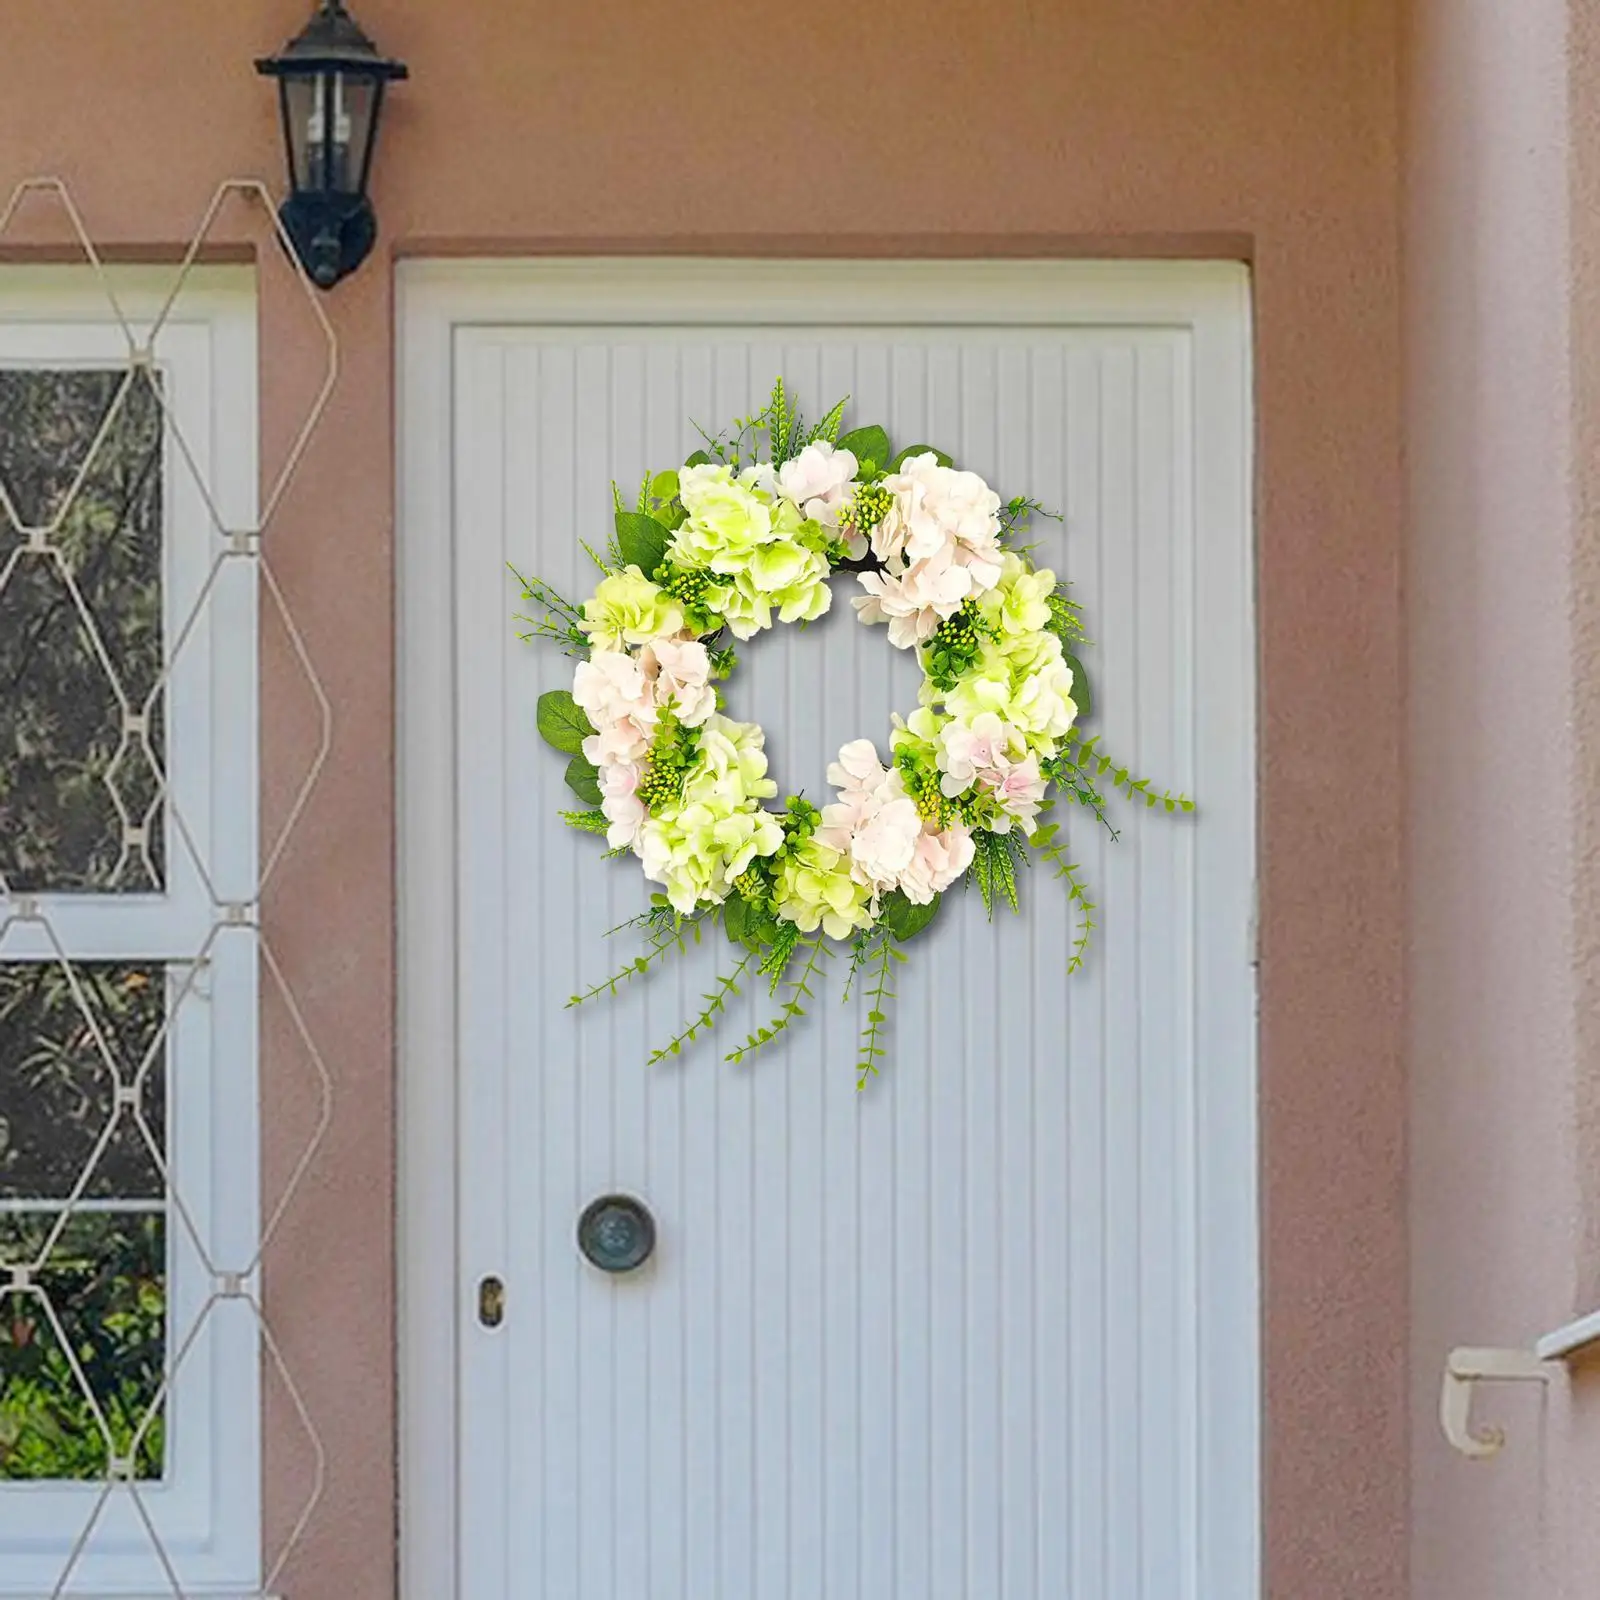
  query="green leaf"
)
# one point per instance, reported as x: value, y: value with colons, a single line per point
x: 917, y: 450
x: 867, y: 444
x: 562, y: 725
x: 736, y: 917
x: 642, y: 541
x: 904, y: 919
x: 583, y: 779
x: 1082, y: 697
x: 748, y: 922
x: 698, y: 459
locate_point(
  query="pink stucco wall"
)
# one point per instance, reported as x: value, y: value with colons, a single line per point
x: 1501, y: 283
x: 1239, y: 127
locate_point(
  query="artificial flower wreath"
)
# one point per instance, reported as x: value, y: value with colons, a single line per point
x: 730, y: 543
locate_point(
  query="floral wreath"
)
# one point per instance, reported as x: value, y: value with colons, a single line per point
x: 729, y: 544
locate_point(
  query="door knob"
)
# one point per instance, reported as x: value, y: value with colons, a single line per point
x: 616, y: 1233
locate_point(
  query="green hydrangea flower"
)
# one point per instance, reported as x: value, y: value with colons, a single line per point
x: 1019, y: 603
x: 626, y: 608
x: 813, y: 888
x: 727, y: 519
x: 1026, y: 683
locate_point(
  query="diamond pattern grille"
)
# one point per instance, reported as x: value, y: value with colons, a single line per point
x: 126, y: 796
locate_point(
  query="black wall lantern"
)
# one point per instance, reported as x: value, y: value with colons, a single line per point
x: 330, y: 84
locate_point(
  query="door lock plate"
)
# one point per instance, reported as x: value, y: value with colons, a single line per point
x: 491, y: 1301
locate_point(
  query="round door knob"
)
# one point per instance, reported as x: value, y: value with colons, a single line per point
x: 616, y: 1233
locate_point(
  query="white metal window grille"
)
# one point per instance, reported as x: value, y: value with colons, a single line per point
x: 134, y: 566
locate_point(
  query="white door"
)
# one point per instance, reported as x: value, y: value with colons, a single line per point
x: 989, y: 1328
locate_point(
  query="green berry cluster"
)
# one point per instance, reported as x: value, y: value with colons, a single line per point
x: 673, y: 752
x: 688, y: 585
x: 922, y: 784
x: 923, y: 787
x: 751, y: 885
x: 868, y: 507
x: 660, y: 787
x: 955, y: 646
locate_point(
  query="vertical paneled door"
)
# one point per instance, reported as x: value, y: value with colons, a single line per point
x: 988, y: 1328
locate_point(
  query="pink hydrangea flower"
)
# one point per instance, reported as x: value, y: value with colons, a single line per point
x: 916, y: 600
x: 820, y: 481
x: 937, y: 861
x: 983, y: 752
x: 680, y: 672
x: 1020, y: 791
x: 874, y: 822
x: 968, y: 751
x: 940, y: 510
x: 612, y: 691
x: 624, y: 810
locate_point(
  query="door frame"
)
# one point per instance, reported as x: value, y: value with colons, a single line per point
x: 433, y: 299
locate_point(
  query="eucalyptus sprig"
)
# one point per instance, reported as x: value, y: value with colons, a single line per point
x: 879, y: 997
x: 1018, y: 512
x: 1045, y: 843
x: 791, y: 1010
x: 716, y: 1002
x: 1087, y: 756
x: 665, y: 939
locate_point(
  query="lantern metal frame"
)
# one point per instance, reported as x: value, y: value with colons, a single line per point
x: 331, y: 224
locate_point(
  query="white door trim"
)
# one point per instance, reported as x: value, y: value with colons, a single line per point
x: 435, y: 298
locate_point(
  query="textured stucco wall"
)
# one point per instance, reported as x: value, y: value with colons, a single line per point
x: 1202, y: 126
x: 1503, y: 624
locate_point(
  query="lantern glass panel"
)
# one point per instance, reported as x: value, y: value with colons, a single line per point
x: 329, y: 118
x: 302, y: 95
x: 355, y: 99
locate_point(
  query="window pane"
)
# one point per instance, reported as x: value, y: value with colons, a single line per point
x: 74, y: 782
x: 56, y: 1094
x: 106, y: 1281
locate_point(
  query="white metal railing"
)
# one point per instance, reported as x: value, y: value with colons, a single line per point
x: 232, y: 1279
